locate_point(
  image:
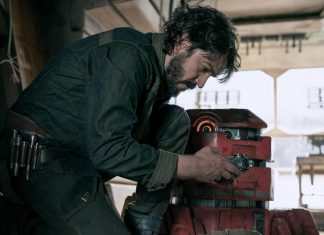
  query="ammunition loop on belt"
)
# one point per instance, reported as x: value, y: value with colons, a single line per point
x: 24, y: 154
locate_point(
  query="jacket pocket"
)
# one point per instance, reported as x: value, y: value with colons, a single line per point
x: 79, y: 196
x: 64, y: 194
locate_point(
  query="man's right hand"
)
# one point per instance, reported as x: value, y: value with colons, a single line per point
x: 206, y: 166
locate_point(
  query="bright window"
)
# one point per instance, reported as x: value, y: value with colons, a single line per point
x: 301, y: 101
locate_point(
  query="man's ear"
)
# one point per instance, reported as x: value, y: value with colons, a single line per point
x: 182, y: 44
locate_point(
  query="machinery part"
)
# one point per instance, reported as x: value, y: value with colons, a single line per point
x: 208, y: 123
x: 205, y: 124
x: 241, y: 133
x: 241, y: 162
x: 213, y: 209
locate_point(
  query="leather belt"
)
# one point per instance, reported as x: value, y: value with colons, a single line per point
x: 48, y: 154
x: 18, y: 121
x: 30, y: 145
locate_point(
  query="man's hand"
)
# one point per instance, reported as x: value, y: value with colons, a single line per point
x: 206, y: 166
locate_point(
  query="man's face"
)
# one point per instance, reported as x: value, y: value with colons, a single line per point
x: 187, y: 70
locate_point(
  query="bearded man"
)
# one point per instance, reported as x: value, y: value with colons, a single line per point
x: 99, y: 110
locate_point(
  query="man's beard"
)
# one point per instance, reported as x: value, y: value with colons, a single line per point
x: 174, y: 72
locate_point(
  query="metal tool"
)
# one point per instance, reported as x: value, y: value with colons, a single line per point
x: 241, y: 162
x: 33, y: 139
x: 13, y: 142
x: 23, y: 153
x: 35, y: 156
x: 16, y: 156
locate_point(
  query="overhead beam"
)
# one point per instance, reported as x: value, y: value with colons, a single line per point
x: 141, y: 14
x: 276, y: 58
x: 104, y: 18
x: 92, y: 25
x: 248, y: 8
x: 277, y: 28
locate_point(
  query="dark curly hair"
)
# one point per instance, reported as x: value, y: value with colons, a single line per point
x: 208, y: 29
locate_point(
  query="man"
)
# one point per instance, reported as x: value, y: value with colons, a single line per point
x: 99, y: 109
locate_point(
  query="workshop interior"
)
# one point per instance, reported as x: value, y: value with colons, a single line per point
x: 269, y: 117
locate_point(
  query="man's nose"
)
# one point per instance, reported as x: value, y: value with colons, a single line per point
x: 202, y: 79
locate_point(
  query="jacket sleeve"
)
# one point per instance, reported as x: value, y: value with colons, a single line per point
x: 118, y: 78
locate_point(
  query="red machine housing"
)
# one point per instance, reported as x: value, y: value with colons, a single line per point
x: 205, y: 209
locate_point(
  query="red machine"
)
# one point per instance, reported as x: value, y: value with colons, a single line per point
x: 205, y: 209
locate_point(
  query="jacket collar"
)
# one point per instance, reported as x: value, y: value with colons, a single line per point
x: 157, y: 42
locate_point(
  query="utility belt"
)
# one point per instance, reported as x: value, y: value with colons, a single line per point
x: 30, y: 145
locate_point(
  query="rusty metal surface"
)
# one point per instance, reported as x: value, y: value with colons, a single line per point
x: 253, y: 185
x: 254, y: 149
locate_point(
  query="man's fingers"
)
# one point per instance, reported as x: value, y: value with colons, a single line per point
x: 231, y: 168
x: 217, y: 178
x: 226, y: 178
x: 227, y: 175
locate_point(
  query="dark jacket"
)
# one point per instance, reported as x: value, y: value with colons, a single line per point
x: 97, y: 97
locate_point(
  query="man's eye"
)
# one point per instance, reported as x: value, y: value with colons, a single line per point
x: 204, y: 69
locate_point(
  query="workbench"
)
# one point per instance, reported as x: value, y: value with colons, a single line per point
x: 312, y: 165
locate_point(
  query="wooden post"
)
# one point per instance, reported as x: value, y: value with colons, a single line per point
x: 29, y: 47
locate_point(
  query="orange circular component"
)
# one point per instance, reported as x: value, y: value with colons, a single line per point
x: 205, y: 124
